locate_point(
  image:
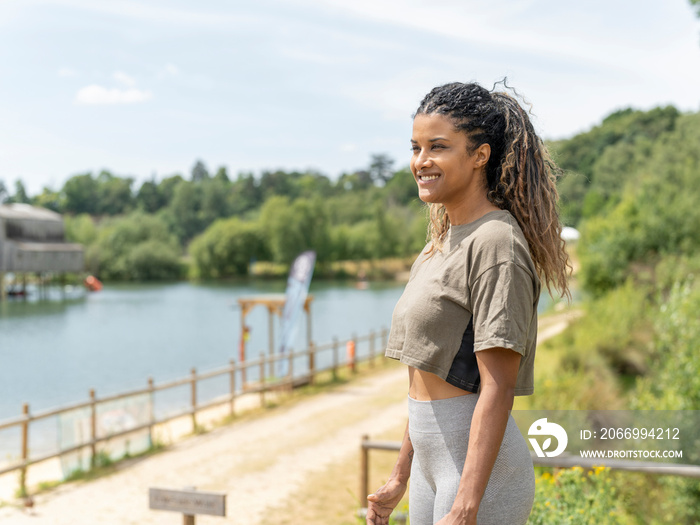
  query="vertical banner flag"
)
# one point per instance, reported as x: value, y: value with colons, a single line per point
x: 297, y: 289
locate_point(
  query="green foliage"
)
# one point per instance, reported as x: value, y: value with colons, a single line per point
x: 292, y: 227
x: 113, y: 194
x: 576, y: 496
x: 675, y: 382
x: 606, y: 157
x: 225, y: 249
x: 80, y: 228
x: 20, y: 195
x: 80, y: 194
x: 656, y: 213
x: 135, y: 247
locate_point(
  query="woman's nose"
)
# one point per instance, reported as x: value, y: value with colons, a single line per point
x: 422, y: 160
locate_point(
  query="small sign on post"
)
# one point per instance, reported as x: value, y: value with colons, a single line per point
x: 188, y: 501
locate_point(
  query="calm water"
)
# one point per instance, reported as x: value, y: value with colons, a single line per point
x: 52, y: 353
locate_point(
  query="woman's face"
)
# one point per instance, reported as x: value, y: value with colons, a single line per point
x: 442, y: 166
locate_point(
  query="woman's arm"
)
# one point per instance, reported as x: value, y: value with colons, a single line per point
x: 498, y: 368
x: 384, y: 501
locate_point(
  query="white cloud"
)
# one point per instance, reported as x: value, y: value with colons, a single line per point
x: 348, y: 147
x: 99, y: 95
x: 123, y: 78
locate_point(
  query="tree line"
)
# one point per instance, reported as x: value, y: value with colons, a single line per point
x: 218, y: 225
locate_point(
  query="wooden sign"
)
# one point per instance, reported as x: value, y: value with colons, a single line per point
x: 189, y: 502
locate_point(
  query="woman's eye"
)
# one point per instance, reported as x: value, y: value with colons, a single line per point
x: 438, y: 146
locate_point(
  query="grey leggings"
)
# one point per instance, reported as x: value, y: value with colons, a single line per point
x: 439, y: 432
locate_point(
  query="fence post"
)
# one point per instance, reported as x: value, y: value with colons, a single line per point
x: 291, y: 369
x: 93, y: 429
x: 193, y: 384
x: 335, y: 358
x: 262, y: 380
x: 364, y: 470
x: 151, y: 409
x: 371, y: 348
x: 232, y: 385
x: 312, y: 362
x: 350, y: 349
x: 25, y: 449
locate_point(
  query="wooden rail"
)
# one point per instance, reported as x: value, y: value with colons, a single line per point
x: 563, y: 461
x: 233, y: 369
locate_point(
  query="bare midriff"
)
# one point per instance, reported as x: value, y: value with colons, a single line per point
x: 424, y: 386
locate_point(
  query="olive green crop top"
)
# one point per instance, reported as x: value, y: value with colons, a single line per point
x: 481, y: 291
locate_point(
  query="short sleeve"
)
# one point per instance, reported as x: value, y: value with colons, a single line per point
x: 503, y: 303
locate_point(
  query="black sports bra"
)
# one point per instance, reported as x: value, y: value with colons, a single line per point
x: 464, y: 372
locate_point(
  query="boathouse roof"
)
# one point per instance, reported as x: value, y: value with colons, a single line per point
x: 32, y: 239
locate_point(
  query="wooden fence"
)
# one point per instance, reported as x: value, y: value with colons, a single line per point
x: 343, y: 353
x: 649, y: 467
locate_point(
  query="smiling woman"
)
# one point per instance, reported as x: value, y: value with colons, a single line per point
x: 466, y: 324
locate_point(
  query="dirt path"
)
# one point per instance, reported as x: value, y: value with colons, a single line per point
x: 258, y: 462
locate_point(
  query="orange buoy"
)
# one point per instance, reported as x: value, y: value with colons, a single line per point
x: 92, y: 283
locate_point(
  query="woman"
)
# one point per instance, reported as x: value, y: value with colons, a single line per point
x: 466, y: 323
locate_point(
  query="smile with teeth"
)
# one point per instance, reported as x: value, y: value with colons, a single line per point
x: 428, y: 177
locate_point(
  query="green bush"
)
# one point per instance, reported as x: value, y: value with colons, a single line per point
x: 576, y: 497
x: 134, y: 247
x: 225, y: 249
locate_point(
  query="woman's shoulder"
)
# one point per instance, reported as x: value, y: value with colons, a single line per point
x: 498, y: 239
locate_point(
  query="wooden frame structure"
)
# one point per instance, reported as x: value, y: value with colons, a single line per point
x: 275, y: 306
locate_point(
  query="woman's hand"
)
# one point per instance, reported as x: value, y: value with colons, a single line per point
x: 384, y: 501
x: 458, y: 518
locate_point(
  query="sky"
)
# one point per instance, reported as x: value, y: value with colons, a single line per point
x: 146, y: 88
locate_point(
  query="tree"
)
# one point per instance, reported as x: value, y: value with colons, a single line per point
x: 80, y: 194
x: 3, y: 192
x: 214, y: 203
x: 166, y: 187
x: 199, y: 172
x: 135, y: 247
x: 114, y: 195
x: 222, y: 175
x: 184, y: 210
x: 245, y: 195
x: 149, y: 197
x: 20, y: 193
x: 380, y: 167
x: 226, y: 248
x: 291, y: 228
x: 48, y: 199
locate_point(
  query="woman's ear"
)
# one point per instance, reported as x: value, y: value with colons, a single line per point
x: 483, y: 153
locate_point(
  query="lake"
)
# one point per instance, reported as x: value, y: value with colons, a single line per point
x: 54, y: 352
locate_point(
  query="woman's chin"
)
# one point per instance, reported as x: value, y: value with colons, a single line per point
x: 427, y: 197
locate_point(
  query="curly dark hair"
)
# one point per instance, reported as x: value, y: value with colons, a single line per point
x: 520, y: 174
